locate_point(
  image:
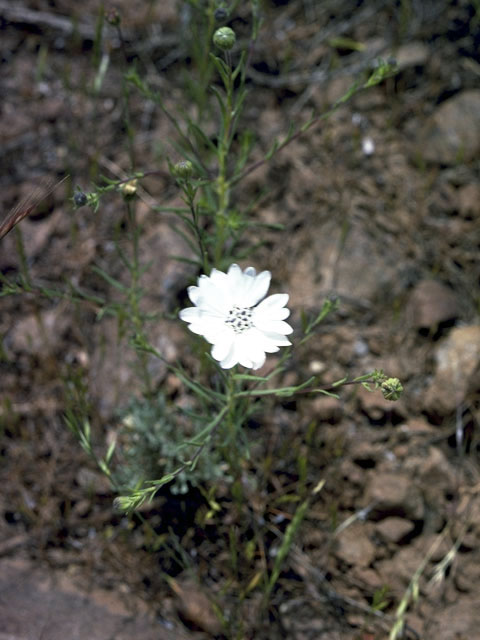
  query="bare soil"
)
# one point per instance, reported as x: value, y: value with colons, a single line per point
x: 381, y: 208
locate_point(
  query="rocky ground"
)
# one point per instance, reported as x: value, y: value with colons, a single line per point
x: 381, y: 207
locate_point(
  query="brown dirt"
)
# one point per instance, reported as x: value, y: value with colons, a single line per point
x: 394, y: 234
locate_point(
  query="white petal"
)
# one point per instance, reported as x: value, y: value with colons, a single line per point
x: 198, y: 327
x: 265, y: 314
x: 190, y: 314
x: 260, y: 362
x: 222, y: 348
x: 252, y: 288
x: 216, y: 274
x: 276, y: 300
x: 212, y: 297
x: 273, y: 302
x: 219, y: 279
x: 250, y: 271
x: 276, y: 338
x: 259, y: 288
x: 272, y: 326
x: 210, y: 328
x: 250, y: 347
x: 232, y: 357
x: 281, y: 314
x: 263, y: 341
x: 194, y: 294
x: 234, y: 273
x: 218, y: 332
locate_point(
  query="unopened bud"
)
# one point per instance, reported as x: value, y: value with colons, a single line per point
x: 183, y: 169
x: 121, y: 503
x: 80, y: 199
x: 129, y: 188
x: 392, y: 389
x: 224, y: 38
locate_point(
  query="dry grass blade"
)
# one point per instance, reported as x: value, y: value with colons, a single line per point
x: 28, y: 204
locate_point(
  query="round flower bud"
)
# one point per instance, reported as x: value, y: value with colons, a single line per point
x: 121, y: 503
x: 80, y: 199
x: 183, y: 169
x: 392, y: 389
x: 224, y: 38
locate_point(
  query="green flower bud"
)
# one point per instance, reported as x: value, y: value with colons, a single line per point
x: 122, y: 503
x: 392, y: 389
x: 224, y: 38
x: 183, y: 169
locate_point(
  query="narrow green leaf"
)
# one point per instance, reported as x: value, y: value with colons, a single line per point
x: 115, y: 283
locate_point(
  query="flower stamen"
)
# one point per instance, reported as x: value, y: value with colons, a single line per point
x: 240, y: 318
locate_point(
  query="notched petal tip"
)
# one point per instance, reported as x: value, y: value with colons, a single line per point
x: 185, y: 314
x: 194, y: 294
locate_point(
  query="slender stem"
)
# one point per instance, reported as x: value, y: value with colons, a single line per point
x: 317, y: 388
x: 134, y: 294
x: 314, y: 120
x: 231, y: 441
x: 222, y: 182
x: 190, y: 199
x: 230, y: 393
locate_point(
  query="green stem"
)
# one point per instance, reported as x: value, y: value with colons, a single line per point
x: 190, y: 198
x: 300, y: 389
x: 222, y: 182
x: 231, y: 396
x: 134, y: 295
x: 231, y: 440
x: 205, y: 67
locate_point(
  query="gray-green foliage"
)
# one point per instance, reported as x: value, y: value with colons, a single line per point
x: 154, y: 440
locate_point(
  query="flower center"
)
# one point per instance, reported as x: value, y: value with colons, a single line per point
x: 240, y: 319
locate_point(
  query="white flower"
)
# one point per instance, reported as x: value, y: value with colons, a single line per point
x: 229, y: 314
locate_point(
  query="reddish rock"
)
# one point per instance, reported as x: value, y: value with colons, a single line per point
x: 327, y: 409
x: 451, y: 133
x: 392, y: 493
x: 457, y: 621
x: 399, y: 570
x: 37, y: 603
x: 394, y: 529
x: 412, y: 54
x: 457, y: 358
x: 416, y: 426
x: 194, y: 605
x: 375, y: 405
x: 354, y: 546
x: 469, y: 200
x: 431, y: 303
